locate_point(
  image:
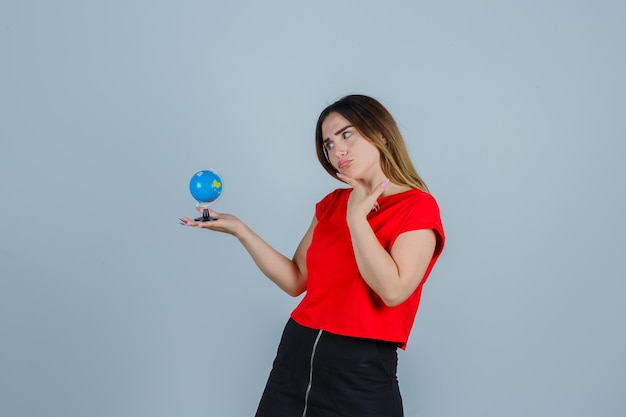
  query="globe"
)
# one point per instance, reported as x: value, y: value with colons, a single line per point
x: 206, y: 186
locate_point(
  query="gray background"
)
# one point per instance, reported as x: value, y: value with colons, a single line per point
x: 514, y: 113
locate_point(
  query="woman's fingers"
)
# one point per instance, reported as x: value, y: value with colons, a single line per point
x: 186, y: 221
x: 381, y: 189
x: 345, y: 178
x: 355, y: 184
x: 363, y: 200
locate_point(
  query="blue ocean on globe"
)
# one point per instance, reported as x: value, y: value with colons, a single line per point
x: 205, y: 186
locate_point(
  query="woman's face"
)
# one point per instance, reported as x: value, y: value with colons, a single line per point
x: 349, y: 152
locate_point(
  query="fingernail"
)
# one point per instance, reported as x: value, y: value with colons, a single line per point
x: 339, y: 174
x: 384, y: 183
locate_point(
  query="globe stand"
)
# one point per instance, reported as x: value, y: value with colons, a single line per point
x: 205, y: 215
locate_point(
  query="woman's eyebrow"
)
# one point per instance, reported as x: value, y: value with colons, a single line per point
x: 342, y: 129
x: 338, y: 132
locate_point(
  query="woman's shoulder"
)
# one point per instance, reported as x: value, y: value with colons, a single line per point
x: 338, y: 193
x: 412, y: 194
x: 411, y: 202
x: 332, y: 199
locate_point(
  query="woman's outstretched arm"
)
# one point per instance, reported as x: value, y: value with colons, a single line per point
x: 289, y: 274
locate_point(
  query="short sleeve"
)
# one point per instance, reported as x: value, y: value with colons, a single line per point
x: 422, y: 212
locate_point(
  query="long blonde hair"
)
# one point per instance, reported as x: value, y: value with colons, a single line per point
x: 374, y: 122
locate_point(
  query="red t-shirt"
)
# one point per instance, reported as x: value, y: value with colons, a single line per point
x: 337, y: 298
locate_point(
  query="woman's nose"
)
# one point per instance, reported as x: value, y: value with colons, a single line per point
x: 340, y: 149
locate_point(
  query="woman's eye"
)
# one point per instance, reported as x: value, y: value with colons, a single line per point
x: 329, y: 145
x: 346, y: 135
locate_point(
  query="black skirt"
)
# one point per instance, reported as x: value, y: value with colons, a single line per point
x: 320, y: 374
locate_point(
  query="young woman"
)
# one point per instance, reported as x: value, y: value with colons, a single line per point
x: 362, y: 262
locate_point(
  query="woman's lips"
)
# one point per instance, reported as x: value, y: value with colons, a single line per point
x: 344, y: 163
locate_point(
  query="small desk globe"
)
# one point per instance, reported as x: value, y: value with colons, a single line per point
x: 206, y: 187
